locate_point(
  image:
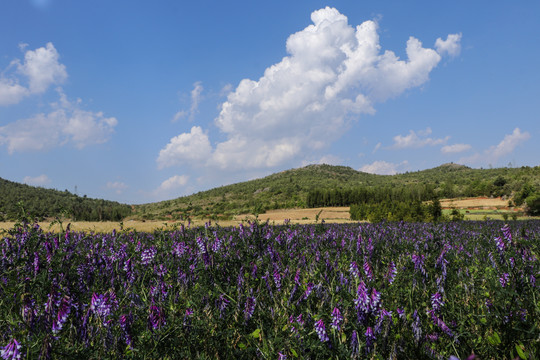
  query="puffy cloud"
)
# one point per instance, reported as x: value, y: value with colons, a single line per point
x: 414, y: 140
x: 11, y: 92
x: 333, y: 73
x: 383, y: 167
x: 174, y: 182
x: 455, y: 148
x: 187, y: 147
x: 41, y: 68
x: 37, y: 180
x: 450, y: 46
x: 67, y: 123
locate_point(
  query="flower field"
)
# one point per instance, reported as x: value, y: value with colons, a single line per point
x: 380, y: 291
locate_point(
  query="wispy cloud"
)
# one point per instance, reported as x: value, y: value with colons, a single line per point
x: 117, y: 186
x: 496, y: 152
x: 40, y: 180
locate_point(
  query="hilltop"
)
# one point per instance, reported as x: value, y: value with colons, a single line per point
x: 290, y: 189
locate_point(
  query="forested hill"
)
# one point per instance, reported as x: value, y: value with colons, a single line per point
x: 292, y: 188
x: 313, y: 185
x: 48, y: 203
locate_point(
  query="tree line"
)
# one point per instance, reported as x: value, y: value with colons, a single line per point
x: 43, y: 203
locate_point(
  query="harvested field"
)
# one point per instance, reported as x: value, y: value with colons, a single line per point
x: 475, y: 203
x: 303, y: 216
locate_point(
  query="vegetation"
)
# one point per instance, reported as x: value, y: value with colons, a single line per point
x: 321, y: 291
x: 310, y: 186
x: 47, y: 203
x: 326, y: 185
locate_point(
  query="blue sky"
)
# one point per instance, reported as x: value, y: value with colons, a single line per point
x: 140, y: 101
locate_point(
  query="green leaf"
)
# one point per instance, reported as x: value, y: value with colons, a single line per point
x: 483, y: 321
x: 520, y: 350
x: 294, y: 353
x: 242, y: 346
x: 494, y: 339
x: 343, y: 338
x: 256, y: 333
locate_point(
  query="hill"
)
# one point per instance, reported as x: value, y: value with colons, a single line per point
x: 286, y: 189
x: 291, y: 188
x: 49, y: 203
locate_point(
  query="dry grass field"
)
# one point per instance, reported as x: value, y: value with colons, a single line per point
x: 475, y: 203
x: 475, y: 208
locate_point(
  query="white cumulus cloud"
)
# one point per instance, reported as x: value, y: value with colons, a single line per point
x: 450, y: 46
x: 417, y: 140
x: 187, y: 147
x: 333, y: 73
x: 174, y: 182
x: 455, y: 148
x: 383, y: 167
x: 66, y: 123
x: 42, y: 68
x: 39, y: 180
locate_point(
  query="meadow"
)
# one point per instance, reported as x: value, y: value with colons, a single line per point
x: 261, y: 291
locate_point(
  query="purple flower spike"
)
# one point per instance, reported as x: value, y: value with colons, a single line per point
x: 337, y: 318
x: 436, y: 301
x: 63, y: 312
x: 504, y: 279
x: 370, y: 337
x: 11, y: 350
x: 392, y: 271
x: 321, y: 331
x: 250, y: 307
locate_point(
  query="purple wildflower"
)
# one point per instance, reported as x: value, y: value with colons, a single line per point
x: 440, y: 323
x: 11, y: 350
x: 321, y: 331
x: 375, y: 300
x: 392, y: 271
x: 500, y: 244
x: 148, y: 255
x: 156, y: 319
x: 63, y: 312
x: 125, y: 323
x: 99, y: 305
x: 368, y: 271
x: 436, y: 301
x: 362, y: 301
x: 353, y: 269
x: 308, y: 290
x: 504, y: 279
x: 354, y: 343
x: 337, y: 318
x: 370, y: 337
x: 222, y: 302
x: 416, y: 327
x: 282, y: 356
x: 277, y: 279
x: 250, y: 307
